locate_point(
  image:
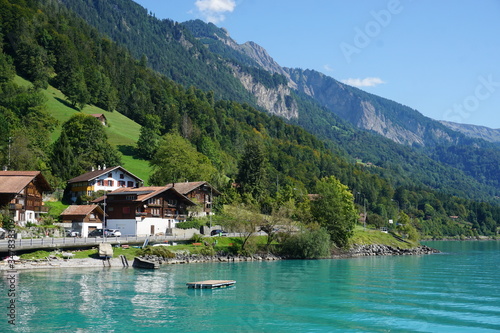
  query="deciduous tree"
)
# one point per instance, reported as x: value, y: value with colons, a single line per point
x: 178, y: 160
x: 334, y: 210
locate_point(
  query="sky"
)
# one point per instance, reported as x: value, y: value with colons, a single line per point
x: 441, y: 58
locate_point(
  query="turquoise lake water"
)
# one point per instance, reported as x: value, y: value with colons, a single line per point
x: 456, y: 291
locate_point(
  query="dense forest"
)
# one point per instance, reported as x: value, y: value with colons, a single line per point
x: 223, y: 141
x: 198, y: 45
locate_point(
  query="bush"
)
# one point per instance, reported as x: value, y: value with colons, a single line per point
x: 196, y: 238
x: 207, y: 251
x: 196, y: 224
x: 160, y: 251
x: 310, y: 244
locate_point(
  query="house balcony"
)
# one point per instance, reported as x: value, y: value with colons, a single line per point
x: 154, y: 205
x: 141, y: 213
x: 16, y: 206
x: 41, y: 209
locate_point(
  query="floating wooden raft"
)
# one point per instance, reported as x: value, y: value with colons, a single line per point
x: 210, y: 284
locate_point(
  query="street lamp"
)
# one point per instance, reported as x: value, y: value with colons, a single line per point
x: 104, y: 219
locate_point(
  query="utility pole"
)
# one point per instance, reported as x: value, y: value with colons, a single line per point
x: 8, y: 161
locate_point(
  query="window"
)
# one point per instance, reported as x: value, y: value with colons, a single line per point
x: 111, y: 183
x: 100, y: 182
x: 130, y: 197
x: 121, y: 183
x: 130, y: 184
x: 126, y: 210
x: 122, y: 176
x: 110, y: 175
x: 172, y: 202
x: 155, y: 201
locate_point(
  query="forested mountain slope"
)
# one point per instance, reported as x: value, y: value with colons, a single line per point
x: 402, y: 165
x: 437, y: 147
x: 45, y: 43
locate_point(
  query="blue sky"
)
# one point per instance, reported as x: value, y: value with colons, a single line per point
x: 441, y: 58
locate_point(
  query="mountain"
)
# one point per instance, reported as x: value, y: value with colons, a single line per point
x: 475, y: 131
x: 361, y: 126
x: 398, y: 123
x: 44, y: 42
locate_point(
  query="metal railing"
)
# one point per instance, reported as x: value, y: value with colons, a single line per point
x: 64, y: 242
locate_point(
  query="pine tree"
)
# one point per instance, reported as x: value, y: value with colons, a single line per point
x: 149, y: 138
x: 252, y: 170
x: 63, y: 161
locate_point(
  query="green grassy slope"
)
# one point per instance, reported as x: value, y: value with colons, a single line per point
x: 122, y: 131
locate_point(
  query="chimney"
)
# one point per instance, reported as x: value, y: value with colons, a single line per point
x: 5, y: 168
x: 98, y: 167
x: 92, y: 169
x: 104, y: 166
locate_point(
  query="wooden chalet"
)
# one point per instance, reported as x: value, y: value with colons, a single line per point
x: 21, y: 194
x: 200, y: 192
x: 145, y: 210
x: 105, y: 179
x: 83, y: 218
x: 101, y: 118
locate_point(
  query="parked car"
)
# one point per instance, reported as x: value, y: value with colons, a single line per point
x: 72, y: 233
x: 112, y: 232
x: 96, y: 233
x: 218, y: 232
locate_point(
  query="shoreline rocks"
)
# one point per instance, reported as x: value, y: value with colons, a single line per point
x: 386, y: 250
x: 355, y: 251
x: 184, y: 258
x: 187, y: 258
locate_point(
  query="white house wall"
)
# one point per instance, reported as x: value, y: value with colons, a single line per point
x: 85, y: 227
x: 141, y: 228
x: 153, y: 226
x: 115, y: 177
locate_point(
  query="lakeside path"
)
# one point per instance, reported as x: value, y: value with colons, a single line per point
x: 355, y: 251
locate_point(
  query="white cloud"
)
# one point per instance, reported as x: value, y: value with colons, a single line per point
x: 213, y: 10
x: 328, y: 68
x: 366, y: 82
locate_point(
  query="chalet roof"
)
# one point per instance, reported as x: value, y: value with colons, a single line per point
x: 82, y: 210
x: 97, y: 173
x: 144, y: 193
x: 16, y: 181
x: 98, y: 115
x: 187, y: 187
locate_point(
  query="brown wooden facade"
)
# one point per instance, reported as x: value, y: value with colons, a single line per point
x: 159, y: 202
x: 21, y: 193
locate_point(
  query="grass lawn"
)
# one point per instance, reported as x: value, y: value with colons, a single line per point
x: 55, y: 207
x: 122, y: 132
x: 369, y: 236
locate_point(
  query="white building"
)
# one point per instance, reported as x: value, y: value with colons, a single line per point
x: 105, y: 179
